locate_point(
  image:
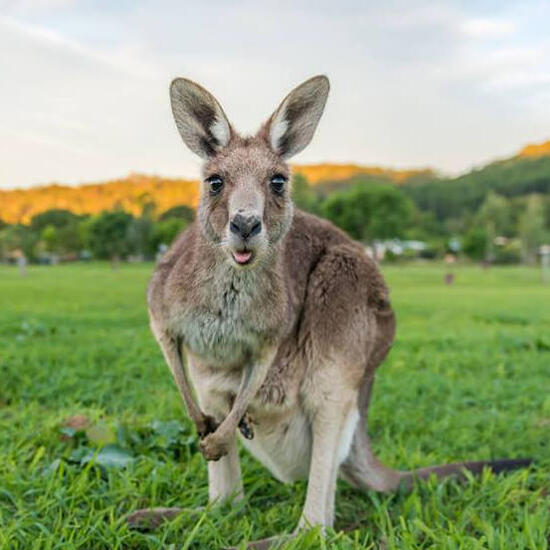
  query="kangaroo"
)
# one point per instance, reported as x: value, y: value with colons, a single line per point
x: 282, y: 317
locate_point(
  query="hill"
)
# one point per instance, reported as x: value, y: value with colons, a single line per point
x: 130, y: 194
x: 331, y: 173
x: 524, y: 174
x: 536, y: 150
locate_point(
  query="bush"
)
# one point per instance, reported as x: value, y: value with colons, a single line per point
x: 369, y: 211
x: 166, y: 231
x: 475, y: 243
x: 509, y: 253
x: 108, y: 233
x: 180, y: 212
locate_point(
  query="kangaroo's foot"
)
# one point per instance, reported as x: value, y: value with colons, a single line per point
x: 151, y: 518
x: 265, y: 544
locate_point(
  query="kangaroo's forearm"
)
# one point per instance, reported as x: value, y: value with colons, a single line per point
x: 175, y: 361
x: 252, y: 379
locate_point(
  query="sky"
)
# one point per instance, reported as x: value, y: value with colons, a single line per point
x: 449, y: 85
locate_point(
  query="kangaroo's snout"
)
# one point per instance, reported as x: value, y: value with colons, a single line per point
x: 245, y: 226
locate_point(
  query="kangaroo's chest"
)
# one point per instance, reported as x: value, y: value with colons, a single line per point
x: 229, y: 323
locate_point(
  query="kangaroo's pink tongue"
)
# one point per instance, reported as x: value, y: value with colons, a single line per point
x: 242, y: 257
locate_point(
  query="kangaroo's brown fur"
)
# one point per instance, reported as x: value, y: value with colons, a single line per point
x: 291, y: 338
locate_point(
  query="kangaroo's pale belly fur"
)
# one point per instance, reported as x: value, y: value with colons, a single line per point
x: 284, y: 448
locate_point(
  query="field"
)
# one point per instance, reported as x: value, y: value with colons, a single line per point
x: 91, y: 425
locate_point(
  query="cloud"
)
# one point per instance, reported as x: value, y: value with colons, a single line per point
x: 26, y: 7
x: 486, y: 27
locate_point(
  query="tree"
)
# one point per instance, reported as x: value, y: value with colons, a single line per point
x: 58, y: 230
x: 69, y: 238
x: 180, y: 212
x: 140, y: 232
x: 532, y: 228
x: 166, y: 231
x: 18, y: 237
x: 370, y: 211
x: 494, y: 216
x: 474, y: 243
x: 108, y: 234
x: 56, y: 218
x: 49, y: 238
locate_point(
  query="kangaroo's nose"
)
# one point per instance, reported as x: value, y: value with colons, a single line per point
x: 245, y: 226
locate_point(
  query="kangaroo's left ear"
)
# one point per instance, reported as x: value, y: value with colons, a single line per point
x: 292, y: 125
x: 199, y: 117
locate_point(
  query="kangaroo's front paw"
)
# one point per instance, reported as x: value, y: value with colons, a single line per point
x: 206, y: 426
x: 245, y: 427
x: 213, y: 447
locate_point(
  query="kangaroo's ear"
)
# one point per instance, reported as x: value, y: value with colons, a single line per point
x: 292, y: 125
x: 199, y: 118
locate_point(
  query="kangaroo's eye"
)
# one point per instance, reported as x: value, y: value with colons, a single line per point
x: 216, y: 184
x: 278, y: 182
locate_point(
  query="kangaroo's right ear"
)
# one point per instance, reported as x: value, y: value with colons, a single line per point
x: 293, y: 124
x: 199, y: 118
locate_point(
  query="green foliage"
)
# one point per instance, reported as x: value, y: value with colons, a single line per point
x: 510, y: 253
x: 139, y: 236
x: 533, y: 228
x: 453, y: 198
x: 58, y: 231
x: 166, y: 231
x: 107, y: 234
x: 49, y: 237
x: 475, y: 243
x: 18, y: 238
x: 56, y: 218
x: 181, y: 212
x: 494, y: 213
x: 370, y: 211
x: 464, y: 381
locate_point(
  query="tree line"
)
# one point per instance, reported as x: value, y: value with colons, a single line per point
x: 495, y: 227
x: 114, y: 234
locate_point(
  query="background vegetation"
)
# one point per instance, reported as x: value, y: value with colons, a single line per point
x: 92, y: 426
x: 498, y: 214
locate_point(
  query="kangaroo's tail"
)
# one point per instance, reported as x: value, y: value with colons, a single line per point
x: 363, y: 469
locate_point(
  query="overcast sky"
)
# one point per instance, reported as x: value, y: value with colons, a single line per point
x: 84, y: 84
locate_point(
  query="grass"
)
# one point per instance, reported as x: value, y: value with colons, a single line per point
x: 468, y: 378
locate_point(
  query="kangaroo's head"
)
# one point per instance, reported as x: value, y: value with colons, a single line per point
x: 245, y: 206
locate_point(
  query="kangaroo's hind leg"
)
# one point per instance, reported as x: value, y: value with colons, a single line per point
x: 333, y: 418
x: 224, y: 476
x: 362, y: 468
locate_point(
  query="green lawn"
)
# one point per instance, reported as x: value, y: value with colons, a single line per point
x: 469, y: 377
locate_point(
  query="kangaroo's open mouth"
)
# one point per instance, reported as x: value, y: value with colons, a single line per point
x: 242, y: 257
